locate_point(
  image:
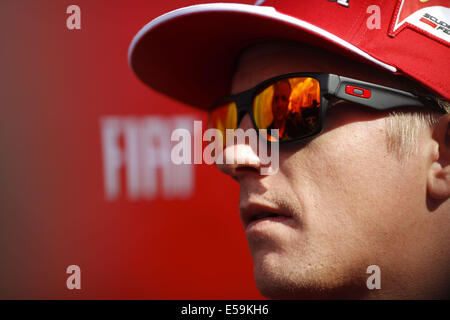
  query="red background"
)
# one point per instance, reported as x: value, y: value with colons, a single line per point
x: 55, y: 87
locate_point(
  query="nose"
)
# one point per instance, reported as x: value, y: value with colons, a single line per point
x: 240, y: 159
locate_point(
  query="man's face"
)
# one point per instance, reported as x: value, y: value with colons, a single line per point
x: 339, y: 201
x: 280, y: 101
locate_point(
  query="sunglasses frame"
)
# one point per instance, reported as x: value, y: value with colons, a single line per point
x: 333, y: 86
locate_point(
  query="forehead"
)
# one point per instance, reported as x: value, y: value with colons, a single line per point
x: 282, y: 86
x: 269, y: 59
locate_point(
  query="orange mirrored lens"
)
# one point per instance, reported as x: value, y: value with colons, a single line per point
x: 291, y: 105
x: 224, y: 117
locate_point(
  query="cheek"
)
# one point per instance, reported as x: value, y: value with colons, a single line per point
x: 348, y: 184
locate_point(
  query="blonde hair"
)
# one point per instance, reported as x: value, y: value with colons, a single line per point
x: 403, y: 128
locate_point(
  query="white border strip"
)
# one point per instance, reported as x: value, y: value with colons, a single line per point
x: 263, y: 11
x: 397, y: 25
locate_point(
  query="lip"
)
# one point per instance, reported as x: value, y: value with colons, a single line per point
x: 255, y: 213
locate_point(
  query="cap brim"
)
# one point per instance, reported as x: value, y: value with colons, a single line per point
x: 189, y: 53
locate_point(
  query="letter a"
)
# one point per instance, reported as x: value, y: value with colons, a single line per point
x: 181, y: 152
x: 74, y: 281
x: 74, y: 20
x: 374, y: 21
x: 374, y: 281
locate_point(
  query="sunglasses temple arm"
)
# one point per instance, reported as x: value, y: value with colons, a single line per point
x: 375, y: 96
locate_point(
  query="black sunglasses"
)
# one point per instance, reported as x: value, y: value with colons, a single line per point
x: 296, y: 103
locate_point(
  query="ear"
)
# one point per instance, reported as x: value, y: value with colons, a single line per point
x: 438, y: 181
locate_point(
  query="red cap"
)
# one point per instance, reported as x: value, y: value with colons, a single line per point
x: 189, y: 53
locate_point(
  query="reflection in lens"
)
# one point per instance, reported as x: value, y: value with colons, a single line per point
x: 291, y: 105
x: 224, y: 117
